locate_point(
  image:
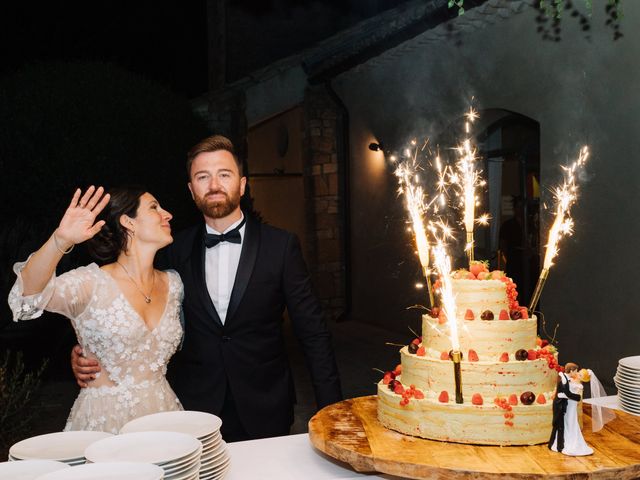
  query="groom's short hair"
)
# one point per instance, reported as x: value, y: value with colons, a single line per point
x: 212, y: 144
x: 571, y: 367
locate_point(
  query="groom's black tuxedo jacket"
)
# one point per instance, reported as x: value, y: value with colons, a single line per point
x: 247, y: 353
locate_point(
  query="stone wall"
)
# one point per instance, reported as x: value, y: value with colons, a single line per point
x: 325, y: 206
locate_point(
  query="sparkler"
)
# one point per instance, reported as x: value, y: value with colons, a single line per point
x: 565, y: 196
x: 442, y: 263
x: 465, y: 178
x: 415, y: 200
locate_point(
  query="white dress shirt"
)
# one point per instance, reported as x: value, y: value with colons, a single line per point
x: 220, y: 267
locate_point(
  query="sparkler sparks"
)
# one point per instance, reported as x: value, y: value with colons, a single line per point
x: 408, y: 180
x: 565, y: 196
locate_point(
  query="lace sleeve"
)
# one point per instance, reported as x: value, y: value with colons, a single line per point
x: 68, y: 294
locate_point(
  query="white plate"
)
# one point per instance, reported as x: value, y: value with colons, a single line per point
x: 150, y: 447
x: 181, y: 462
x: 216, y: 476
x: 633, y: 406
x: 625, y: 378
x: 183, y: 472
x: 193, y: 476
x: 208, y: 460
x: 195, y: 469
x: 29, y: 469
x: 627, y: 408
x: 216, y: 468
x: 108, y: 471
x: 61, y: 446
x: 179, y: 469
x: 627, y: 373
x: 625, y: 384
x: 630, y: 362
x: 197, y: 424
x: 213, y: 437
x: 629, y: 391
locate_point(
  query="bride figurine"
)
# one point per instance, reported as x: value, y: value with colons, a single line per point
x: 566, y: 436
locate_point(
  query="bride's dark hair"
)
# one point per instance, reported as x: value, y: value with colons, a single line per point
x: 107, y: 244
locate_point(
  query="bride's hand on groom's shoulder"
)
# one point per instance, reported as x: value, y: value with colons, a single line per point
x: 79, y: 221
x: 84, y: 369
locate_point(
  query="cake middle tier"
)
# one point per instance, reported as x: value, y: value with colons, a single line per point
x: 489, y: 379
x: 488, y: 338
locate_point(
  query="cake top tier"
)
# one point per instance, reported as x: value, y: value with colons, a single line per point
x: 479, y: 291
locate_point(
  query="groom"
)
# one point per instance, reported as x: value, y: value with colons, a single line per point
x: 239, y: 275
x: 560, y: 402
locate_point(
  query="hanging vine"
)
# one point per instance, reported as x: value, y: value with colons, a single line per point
x: 551, y: 13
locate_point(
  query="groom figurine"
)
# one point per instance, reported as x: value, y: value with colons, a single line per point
x: 239, y: 275
x: 563, y: 395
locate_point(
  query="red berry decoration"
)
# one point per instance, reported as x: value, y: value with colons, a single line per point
x: 476, y: 399
x: 434, y: 312
x: 392, y: 384
x: 522, y: 355
x: 541, y: 399
x: 524, y: 313
x: 398, y: 370
x: 504, y: 357
x: 444, y: 356
x: 421, y: 352
x: 532, y: 355
x: 527, y: 398
x: 413, y: 348
x: 468, y: 315
x: 444, y: 397
x: 515, y: 314
x: 473, y: 356
x: 504, y: 315
x: 487, y: 315
x: 513, y: 399
x: 388, y: 376
x: 398, y: 388
x: 418, y: 394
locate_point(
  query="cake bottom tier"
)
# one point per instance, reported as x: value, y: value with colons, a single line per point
x: 465, y: 423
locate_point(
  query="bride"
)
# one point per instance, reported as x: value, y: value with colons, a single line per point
x: 125, y: 313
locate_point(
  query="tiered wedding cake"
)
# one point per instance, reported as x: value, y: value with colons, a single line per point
x: 508, y: 374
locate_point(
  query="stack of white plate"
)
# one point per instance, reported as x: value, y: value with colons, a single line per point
x: 109, y: 471
x: 177, y: 454
x: 215, y: 462
x: 66, y: 447
x: 29, y: 469
x: 627, y: 379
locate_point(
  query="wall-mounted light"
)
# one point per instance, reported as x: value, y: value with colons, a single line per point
x: 376, y: 146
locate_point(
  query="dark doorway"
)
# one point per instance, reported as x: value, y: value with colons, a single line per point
x: 509, y: 144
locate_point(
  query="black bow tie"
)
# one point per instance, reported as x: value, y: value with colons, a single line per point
x: 232, y: 236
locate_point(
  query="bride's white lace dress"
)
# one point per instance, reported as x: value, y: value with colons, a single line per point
x: 133, y: 358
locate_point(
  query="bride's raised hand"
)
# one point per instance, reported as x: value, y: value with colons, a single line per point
x: 79, y: 221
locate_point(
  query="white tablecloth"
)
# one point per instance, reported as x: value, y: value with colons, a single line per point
x: 287, y: 458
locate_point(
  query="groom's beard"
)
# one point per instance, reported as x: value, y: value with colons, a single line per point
x: 218, y: 208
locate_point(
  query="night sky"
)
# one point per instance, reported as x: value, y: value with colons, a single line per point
x: 166, y: 41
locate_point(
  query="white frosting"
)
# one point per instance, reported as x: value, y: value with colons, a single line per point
x: 480, y: 295
x: 465, y: 423
x: 489, y: 379
x: 489, y: 338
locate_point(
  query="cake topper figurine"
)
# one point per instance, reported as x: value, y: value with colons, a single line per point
x: 566, y: 435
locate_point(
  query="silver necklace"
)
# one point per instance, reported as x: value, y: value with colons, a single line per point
x: 147, y: 298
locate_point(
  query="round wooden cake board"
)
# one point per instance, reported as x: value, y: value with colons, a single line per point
x: 349, y: 431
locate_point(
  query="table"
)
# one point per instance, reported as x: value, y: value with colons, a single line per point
x: 288, y: 458
x: 349, y: 431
